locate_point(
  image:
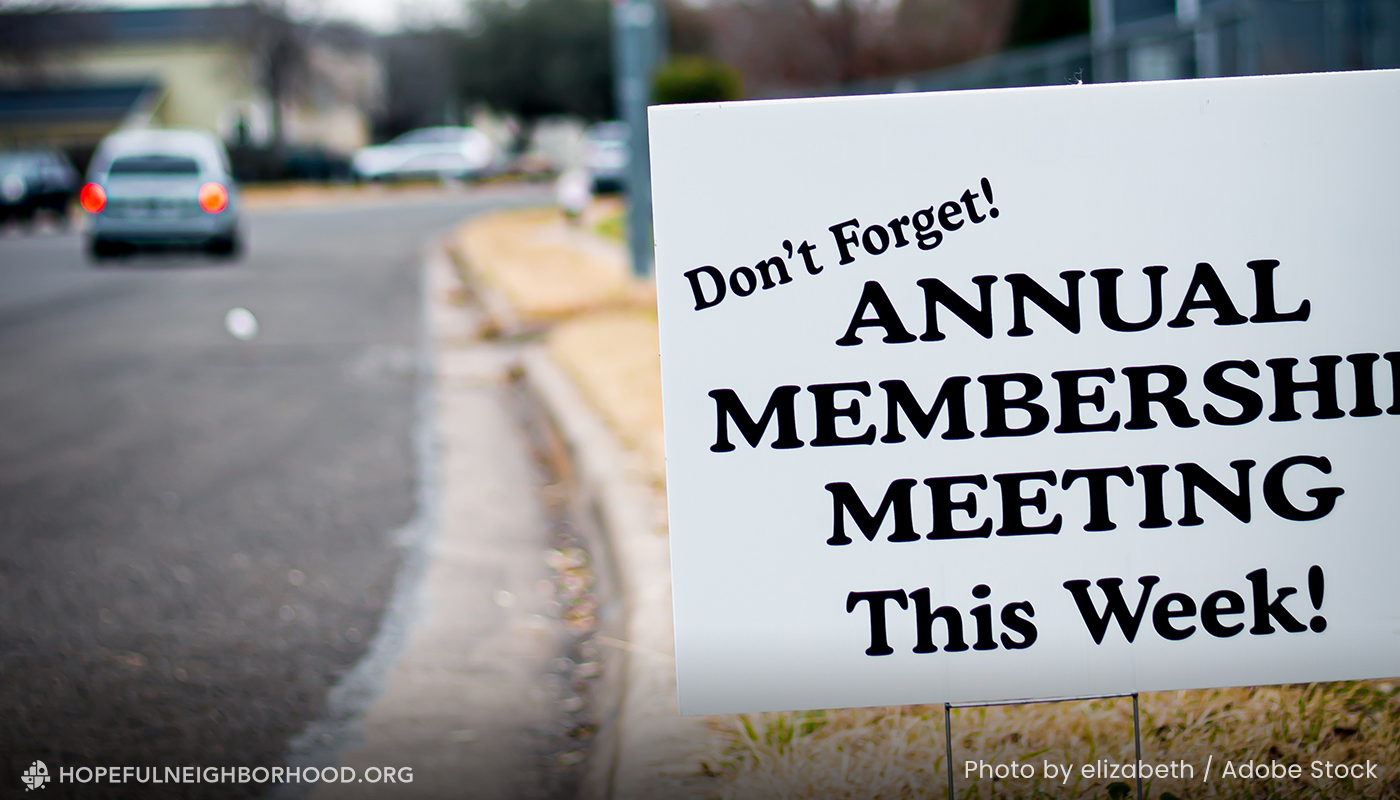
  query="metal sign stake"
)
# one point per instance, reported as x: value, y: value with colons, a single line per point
x: 948, y: 742
x: 948, y: 729
x: 1137, y: 746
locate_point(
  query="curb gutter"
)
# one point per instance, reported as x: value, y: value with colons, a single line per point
x: 646, y: 750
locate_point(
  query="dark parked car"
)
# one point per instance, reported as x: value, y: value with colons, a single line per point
x: 31, y: 180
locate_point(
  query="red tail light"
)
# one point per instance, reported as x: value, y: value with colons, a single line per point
x: 92, y: 198
x: 213, y: 197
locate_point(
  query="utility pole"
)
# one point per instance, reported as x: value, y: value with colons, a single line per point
x: 1102, y: 21
x: 639, y: 45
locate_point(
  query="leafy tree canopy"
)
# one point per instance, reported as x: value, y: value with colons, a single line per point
x: 1040, y: 21
x: 696, y: 79
x: 538, y: 57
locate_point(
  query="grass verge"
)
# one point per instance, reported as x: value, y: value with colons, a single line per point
x: 898, y: 752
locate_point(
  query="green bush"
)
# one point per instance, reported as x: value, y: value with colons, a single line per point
x: 694, y: 79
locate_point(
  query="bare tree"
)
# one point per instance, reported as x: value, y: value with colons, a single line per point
x: 281, y: 56
x: 781, y: 44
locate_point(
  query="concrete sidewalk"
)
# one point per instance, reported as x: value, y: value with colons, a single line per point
x: 598, y: 377
x: 466, y: 705
x: 545, y: 383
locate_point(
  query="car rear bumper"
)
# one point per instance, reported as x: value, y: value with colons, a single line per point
x: 193, y: 229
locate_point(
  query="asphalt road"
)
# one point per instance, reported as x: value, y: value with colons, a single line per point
x: 197, y: 532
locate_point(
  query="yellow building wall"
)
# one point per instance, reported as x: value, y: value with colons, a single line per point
x: 201, y: 80
x: 207, y: 85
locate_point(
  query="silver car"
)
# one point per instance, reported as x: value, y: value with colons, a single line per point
x: 442, y: 152
x: 160, y: 187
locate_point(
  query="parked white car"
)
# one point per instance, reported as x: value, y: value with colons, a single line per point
x: 160, y: 187
x: 442, y: 152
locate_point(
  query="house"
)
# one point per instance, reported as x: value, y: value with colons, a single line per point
x: 260, y: 81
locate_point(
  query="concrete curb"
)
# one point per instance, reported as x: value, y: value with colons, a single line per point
x: 651, y: 747
x: 500, y: 317
x: 643, y: 749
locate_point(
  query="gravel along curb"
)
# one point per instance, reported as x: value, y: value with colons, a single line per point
x: 645, y: 749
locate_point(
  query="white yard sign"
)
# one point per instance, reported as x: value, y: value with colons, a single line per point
x: 1031, y: 393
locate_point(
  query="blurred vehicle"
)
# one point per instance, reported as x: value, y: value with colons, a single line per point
x: 554, y: 146
x: 32, y: 180
x: 606, y: 153
x: 440, y: 152
x: 160, y: 187
x: 314, y: 163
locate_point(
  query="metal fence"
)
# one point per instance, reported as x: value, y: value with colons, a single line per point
x: 1217, y: 38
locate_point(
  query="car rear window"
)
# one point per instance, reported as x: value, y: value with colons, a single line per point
x: 155, y: 165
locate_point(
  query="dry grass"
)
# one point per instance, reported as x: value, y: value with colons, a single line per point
x: 298, y: 194
x: 546, y: 269
x: 875, y: 754
x: 614, y: 358
x: 599, y: 321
